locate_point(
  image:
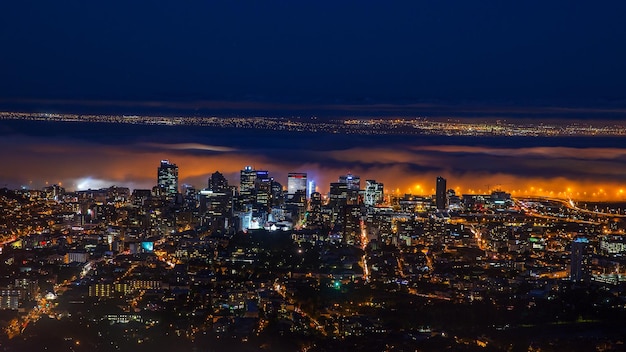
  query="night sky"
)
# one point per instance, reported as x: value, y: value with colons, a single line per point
x: 322, y: 52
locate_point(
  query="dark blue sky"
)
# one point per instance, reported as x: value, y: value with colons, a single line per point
x: 315, y: 52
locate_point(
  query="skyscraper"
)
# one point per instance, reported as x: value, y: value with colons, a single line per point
x: 353, y: 182
x: 167, y: 178
x: 314, y: 217
x: 440, y: 197
x: 373, y: 193
x: 338, y: 195
x: 579, y: 265
x: 247, y: 180
x: 247, y: 177
x: 296, y: 181
x: 217, y: 182
x: 263, y: 188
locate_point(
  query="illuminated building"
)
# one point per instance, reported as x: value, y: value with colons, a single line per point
x: 247, y: 177
x: 297, y: 204
x: 167, y: 178
x: 54, y: 192
x: 76, y: 257
x: 441, y: 200
x: 217, y: 182
x: 190, y: 197
x: 296, y: 181
x: 314, y: 216
x: 352, y: 223
x: 105, y: 290
x: 613, y: 245
x: 579, y: 266
x: 123, y: 318
x: 144, y: 284
x: 338, y: 195
x: 316, y: 202
x: 374, y: 193
x: 263, y: 188
x: 216, y: 202
x: 247, y: 180
x: 28, y: 287
x: 277, y: 194
x: 9, y: 299
x: 353, y: 182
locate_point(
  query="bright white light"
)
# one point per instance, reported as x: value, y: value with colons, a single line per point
x: 90, y: 183
x: 85, y: 183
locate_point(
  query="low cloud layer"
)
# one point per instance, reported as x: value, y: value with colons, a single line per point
x: 590, y: 172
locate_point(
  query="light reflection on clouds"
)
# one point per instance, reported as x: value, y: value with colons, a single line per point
x: 580, y: 173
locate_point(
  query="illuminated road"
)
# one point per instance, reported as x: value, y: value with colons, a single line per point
x: 525, y: 205
x: 366, y: 270
x: 570, y: 204
x: 45, y: 306
x: 482, y: 244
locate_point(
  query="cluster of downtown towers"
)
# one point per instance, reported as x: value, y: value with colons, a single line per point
x: 261, y: 202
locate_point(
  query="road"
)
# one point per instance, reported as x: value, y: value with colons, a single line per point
x: 44, y: 306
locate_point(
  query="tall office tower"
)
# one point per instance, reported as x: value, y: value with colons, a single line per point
x: 263, y: 188
x: 217, y: 182
x: 352, y: 224
x: 353, y: 182
x: 296, y: 205
x: 314, y: 215
x: 247, y: 177
x: 296, y: 181
x: 374, y: 193
x: 338, y: 195
x: 190, y: 197
x: 579, y: 270
x: 167, y: 178
x: 440, y: 197
x: 315, y: 205
x: 278, y: 197
x: 247, y: 180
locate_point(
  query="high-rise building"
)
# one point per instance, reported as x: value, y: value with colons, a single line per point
x: 277, y: 194
x: 579, y: 270
x: 441, y: 200
x: 263, y: 188
x: 374, y: 193
x: 190, y: 197
x: 353, y: 182
x: 167, y: 178
x: 316, y: 202
x: 338, y: 195
x: 247, y: 180
x: 296, y: 181
x: 314, y: 217
x: 217, y: 182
